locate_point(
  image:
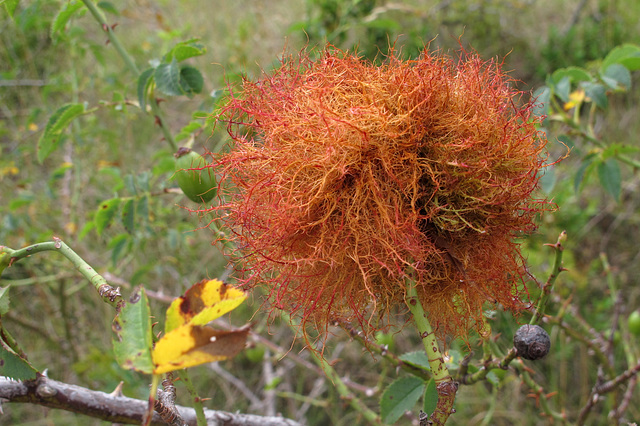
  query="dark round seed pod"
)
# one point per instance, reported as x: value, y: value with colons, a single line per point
x: 531, y: 342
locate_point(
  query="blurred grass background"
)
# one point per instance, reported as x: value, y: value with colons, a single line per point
x: 65, y: 328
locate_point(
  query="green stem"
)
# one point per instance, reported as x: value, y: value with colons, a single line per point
x: 197, y: 401
x: 153, y: 391
x: 385, y: 353
x: 115, y: 41
x: 492, y: 407
x: 445, y: 385
x: 336, y: 380
x: 538, y: 392
x: 548, y: 286
x: 342, y: 388
x: 157, y: 112
x: 109, y: 294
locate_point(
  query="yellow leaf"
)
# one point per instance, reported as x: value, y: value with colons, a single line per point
x: 202, y: 303
x: 575, y: 98
x: 189, y: 345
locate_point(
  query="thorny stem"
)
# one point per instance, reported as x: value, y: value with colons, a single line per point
x: 336, y: 380
x: 197, y: 401
x: 538, y: 393
x: 548, y: 286
x: 115, y: 41
x: 445, y: 385
x: 609, y: 386
x: 591, y: 344
x: 588, y: 135
x: 384, y: 351
x: 109, y: 294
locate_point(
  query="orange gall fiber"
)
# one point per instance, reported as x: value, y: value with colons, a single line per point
x: 345, y: 179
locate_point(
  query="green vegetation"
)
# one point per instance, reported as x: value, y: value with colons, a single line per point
x: 96, y: 98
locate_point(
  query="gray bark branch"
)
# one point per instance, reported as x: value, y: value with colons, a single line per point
x: 115, y: 408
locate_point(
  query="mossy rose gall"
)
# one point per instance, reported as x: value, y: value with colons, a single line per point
x: 346, y: 178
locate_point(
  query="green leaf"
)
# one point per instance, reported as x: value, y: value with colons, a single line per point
x: 142, y: 181
x: 88, y: 227
x: 141, y: 274
x: 4, y: 300
x: 5, y: 259
x: 597, y: 93
x: 610, y: 177
x: 430, y: 397
x: 117, y: 246
x: 191, y: 80
x: 493, y: 378
x: 63, y: 16
x: 383, y: 24
x: 187, y: 130
x: 574, y: 74
x: 627, y: 55
x: 142, y: 208
x: 617, y: 76
x: 563, y: 88
x: 128, y: 214
x: 130, y: 185
x: 417, y: 358
x: 116, y: 177
x: 144, y: 82
x: 583, y: 171
x: 59, y: 172
x: 108, y: 7
x: 167, y: 78
x: 132, y: 341
x: 165, y: 164
x: 10, y: 6
x: 184, y: 50
x: 541, y: 98
x: 13, y: 365
x: 105, y: 214
x: 57, y: 123
x: 400, y: 396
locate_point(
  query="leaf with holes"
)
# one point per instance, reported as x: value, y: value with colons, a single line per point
x: 132, y: 327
